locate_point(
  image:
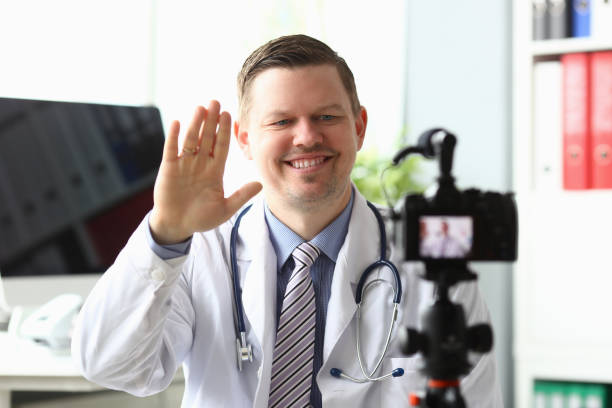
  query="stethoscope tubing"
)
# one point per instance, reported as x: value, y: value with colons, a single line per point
x: 235, y: 276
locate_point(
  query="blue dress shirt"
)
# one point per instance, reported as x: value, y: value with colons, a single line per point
x: 284, y: 241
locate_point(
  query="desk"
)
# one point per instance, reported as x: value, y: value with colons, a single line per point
x: 27, y: 366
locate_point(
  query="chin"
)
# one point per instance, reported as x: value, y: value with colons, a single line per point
x: 315, y: 195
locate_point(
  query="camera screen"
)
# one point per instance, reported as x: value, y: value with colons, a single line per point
x: 445, y: 237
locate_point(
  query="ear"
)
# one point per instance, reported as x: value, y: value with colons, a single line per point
x: 361, y: 122
x: 242, y: 137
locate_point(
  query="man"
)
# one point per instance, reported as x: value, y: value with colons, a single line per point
x: 168, y: 299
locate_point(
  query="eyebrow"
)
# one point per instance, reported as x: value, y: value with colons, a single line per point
x: 331, y: 106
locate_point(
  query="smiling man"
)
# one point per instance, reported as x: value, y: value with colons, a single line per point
x: 175, y: 293
x: 303, y: 131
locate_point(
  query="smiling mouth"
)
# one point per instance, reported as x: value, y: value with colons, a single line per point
x: 306, y: 163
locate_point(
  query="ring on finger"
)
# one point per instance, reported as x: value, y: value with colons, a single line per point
x: 189, y: 150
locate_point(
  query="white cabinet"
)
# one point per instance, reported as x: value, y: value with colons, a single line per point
x: 563, y: 277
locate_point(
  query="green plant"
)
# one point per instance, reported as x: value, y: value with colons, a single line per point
x: 398, y: 180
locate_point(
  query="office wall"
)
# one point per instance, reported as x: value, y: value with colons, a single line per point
x: 459, y: 70
x: 75, y: 50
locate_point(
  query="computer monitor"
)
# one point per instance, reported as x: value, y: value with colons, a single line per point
x: 75, y: 181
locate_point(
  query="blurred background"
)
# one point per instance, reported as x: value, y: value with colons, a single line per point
x: 417, y: 65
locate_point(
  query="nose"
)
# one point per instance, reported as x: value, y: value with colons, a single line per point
x: 307, y: 134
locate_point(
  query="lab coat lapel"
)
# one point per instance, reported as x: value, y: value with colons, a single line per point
x: 359, y: 250
x: 259, y: 290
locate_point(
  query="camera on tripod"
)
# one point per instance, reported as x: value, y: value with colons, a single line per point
x: 445, y: 232
x: 455, y: 225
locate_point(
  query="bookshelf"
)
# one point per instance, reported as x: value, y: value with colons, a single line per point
x: 563, y: 276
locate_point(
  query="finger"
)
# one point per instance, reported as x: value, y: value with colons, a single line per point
x: 171, y: 143
x: 192, y: 134
x: 222, y: 140
x: 202, y: 127
x: 240, y: 197
x: 210, y: 126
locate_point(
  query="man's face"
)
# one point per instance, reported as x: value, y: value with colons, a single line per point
x: 302, y: 135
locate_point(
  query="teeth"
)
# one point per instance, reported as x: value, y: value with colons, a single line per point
x: 303, y: 164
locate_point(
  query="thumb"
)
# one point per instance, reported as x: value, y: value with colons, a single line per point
x: 242, y: 195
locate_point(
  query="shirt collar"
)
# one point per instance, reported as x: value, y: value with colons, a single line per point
x: 329, y: 240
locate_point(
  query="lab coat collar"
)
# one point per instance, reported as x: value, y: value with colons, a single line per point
x: 329, y: 240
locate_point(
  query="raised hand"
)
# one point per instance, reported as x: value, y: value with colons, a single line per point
x: 188, y: 195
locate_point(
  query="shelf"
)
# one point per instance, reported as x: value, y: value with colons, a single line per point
x: 562, y: 277
x: 578, y: 364
x: 568, y: 45
x: 568, y: 199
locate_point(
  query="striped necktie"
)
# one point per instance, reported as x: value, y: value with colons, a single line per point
x: 294, y: 349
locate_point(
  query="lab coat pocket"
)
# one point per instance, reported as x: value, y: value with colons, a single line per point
x: 396, y: 391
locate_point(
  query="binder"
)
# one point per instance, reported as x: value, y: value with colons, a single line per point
x: 601, y: 119
x: 574, y: 396
x: 564, y: 394
x: 601, y: 19
x: 581, y: 18
x: 576, y: 132
x: 596, y: 396
x: 539, y: 12
x: 558, y: 14
x: 547, y: 125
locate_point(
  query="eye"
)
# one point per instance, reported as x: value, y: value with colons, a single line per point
x: 327, y: 117
x: 281, y: 122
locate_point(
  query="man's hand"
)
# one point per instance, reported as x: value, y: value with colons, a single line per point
x: 188, y: 195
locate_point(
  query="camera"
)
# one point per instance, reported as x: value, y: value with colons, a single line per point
x: 455, y: 225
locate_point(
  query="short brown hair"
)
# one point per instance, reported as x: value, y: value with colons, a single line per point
x: 291, y: 52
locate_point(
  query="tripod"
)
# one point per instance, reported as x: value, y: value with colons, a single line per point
x: 445, y: 340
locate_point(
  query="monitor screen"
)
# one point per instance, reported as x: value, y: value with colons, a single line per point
x: 76, y: 179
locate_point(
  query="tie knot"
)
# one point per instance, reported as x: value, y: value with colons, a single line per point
x: 306, y: 253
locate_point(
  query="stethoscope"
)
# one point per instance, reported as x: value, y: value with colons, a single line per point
x: 244, y: 350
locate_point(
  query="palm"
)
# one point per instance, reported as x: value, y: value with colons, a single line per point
x: 189, y: 195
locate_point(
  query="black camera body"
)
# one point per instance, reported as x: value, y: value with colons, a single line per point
x: 467, y: 225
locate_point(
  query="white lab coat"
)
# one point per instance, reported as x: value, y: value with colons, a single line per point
x: 146, y: 316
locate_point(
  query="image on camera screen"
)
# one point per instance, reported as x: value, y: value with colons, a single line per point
x: 442, y: 237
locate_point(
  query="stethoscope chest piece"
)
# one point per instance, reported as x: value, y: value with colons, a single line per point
x: 244, y: 351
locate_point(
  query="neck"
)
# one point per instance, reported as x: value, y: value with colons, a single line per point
x: 308, y: 222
